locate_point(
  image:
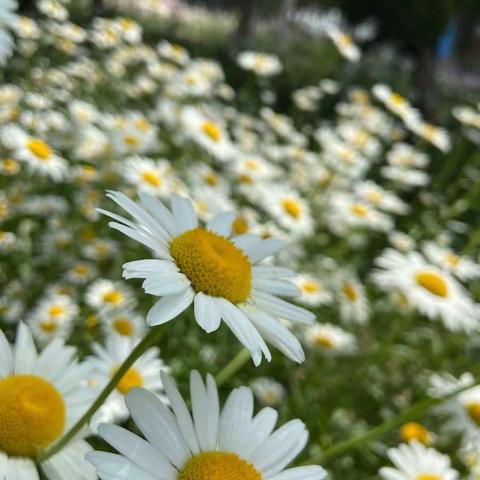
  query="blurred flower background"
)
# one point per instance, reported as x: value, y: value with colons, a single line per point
x: 307, y: 171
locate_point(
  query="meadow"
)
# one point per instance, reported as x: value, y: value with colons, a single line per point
x: 279, y: 221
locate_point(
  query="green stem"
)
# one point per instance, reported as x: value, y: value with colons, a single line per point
x: 151, y: 338
x: 233, y: 366
x: 409, y: 414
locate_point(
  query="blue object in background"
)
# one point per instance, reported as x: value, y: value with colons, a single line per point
x: 446, y: 43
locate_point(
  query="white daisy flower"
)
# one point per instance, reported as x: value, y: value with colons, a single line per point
x: 428, y: 288
x: 149, y: 175
x: 263, y: 64
x: 438, y: 137
x: 105, y: 362
x: 345, y: 44
x: 313, y: 291
x: 123, y: 322
x: 353, y: 301
x: 462, y: 267
x: 8, y: 19
x: 395, y: 102
x: 53, y: 317
x: 268, y: 391
x: 329, y: 338
x: 223, y: 278
x: 35, y: 152
x: 230, y: 443
x: 417, y: 462
x: 42, y: 398
x: 463, y: 410
x: 406, y: 177
x: 108, y: 295
x: 208, y: 133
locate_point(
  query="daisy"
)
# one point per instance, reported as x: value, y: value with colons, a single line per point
x: 35, y: 152
x: 428, y: 288
x: 463, y: 410
x: 105, y: 362
x: 313, y: 291
x: 287, y: 207
x: 122, y: 322
x: 345, y: 44
x: 150, y: 175
x: 329, y: 339
x: 173, y: 52
x: 263, y: 64
x: 353, y: 301
x: 42, y: 398
x: 405, y: 177
x: 229, y: 444
x: 107, y: 295
x: 8, y: 19
x: 223, y: 277
x: 53, y: 317
x: 268, y: 391
x: 417, y: 462
x: 437, y: 136
x: 462, y: 267
x: 209, y: 133
x: 394, y: 102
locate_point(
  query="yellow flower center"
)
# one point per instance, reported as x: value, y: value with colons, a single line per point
x: 291, y: 207
x: 374, y: 196
x: 324, y: 341
x: 211, y: 179
x: 56, y: 310
x: 39, y: 148
x: 414, y: 431
x: 32, y: 415
x: 473, y: 410
x: 350, y: 292
x: 113, y: 296
x: 310, y: 287
x: 359, y: 210
x: 452, y: 259
x: 397, y: 100
x: 428, y: 476
x: 218, y: 466
x: 91, y: 321
x: 213, y: 264
x: 131, y: 140
x: 240, y: 226
x: 123, y: 326
x: 211, y: 130
x: 433, y: 282
x: 130, y: 380
x: 49, y: 326
x: 152, y: 178
x: 142, y: 124
x: 345, y: 40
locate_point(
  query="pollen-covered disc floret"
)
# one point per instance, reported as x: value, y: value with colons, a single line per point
x: 218, y: 466
x: 213, y: 264
x: 32, y: 415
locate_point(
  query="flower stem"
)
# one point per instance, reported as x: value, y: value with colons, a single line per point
x: 233, y: 366
x: 153, y: 335
x: 411, y: 413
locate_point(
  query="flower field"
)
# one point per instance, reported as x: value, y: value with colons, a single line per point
x: 211, y: 272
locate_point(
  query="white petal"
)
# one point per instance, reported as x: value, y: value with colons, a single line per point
x: 243, y: 329
x: 184, y: 214
x: 158, y: 425
x: 25, y: 351
x: 257, y: 249
x: 143, y: 268
x: 165, y: 284
x: 222, y: 223
x: 267, y: 271
x: 207, y: 312
x: 310, y: 472
x: 116, y: 467
x: 137, y: 450
x: 169, y: 307
x: 274, y: 286
x: 159, y: 211
x: 280, y: 308
x: 206, y: 411
x: 184, y: 419
x: 6, y: 356
x: 262, y: 426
